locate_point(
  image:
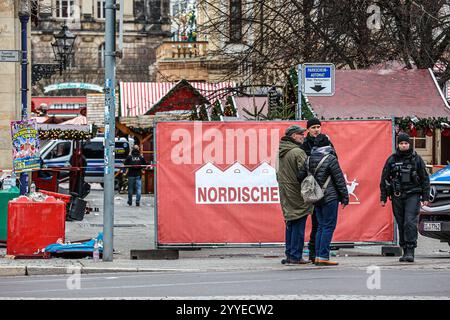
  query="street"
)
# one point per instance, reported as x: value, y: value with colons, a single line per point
x: 274, y: 285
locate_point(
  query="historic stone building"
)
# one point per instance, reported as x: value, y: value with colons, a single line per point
x: 146, y: 24
x: 192, y: 54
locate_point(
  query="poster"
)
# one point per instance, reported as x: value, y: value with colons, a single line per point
x: 25, y: 143
x: 216, y: 181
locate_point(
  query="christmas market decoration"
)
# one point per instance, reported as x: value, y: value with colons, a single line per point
x: 216, y: 111
x: 229, y: 110
x: 199, y: 113
x: 413, y: 125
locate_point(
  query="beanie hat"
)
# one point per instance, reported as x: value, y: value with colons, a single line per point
x: 313, y: 122
x: 294, y: 129
x: 403, y: 137
x: 321, y: 141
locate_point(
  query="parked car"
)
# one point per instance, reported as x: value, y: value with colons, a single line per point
x: 57, y: 153
x: 434, y: 219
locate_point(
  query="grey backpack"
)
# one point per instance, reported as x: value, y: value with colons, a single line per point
x: 310, y: 188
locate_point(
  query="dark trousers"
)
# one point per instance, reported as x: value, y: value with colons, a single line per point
x: 312, y: 235
x: 406, y: 212
x: 327, y: 218
x: 295, y: 238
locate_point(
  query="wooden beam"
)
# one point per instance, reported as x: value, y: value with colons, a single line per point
x: 127, y: 130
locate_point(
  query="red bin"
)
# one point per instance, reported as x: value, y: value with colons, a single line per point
x: 32, y: 225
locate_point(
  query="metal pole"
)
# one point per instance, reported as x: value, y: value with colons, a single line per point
x: 396, y: 238
x: 155, y: 183
x: 24, y: 88
x: 110, y: 83
x: 298, y: 114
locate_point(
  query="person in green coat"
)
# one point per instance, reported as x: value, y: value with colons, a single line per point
x: 291, y: 158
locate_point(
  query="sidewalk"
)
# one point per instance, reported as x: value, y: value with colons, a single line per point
x: 134, y: 230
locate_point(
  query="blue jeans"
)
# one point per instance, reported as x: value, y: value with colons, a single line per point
x: 327, y: 219
x: 295, y: 238
x: 134, y: 183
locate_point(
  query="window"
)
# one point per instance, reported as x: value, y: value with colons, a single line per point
x: 64, y: 8
x: 421, y: 141
x: 60, y: 150
x: 93, y: 150
x: 101, y: 56
x: 235, y: 21
x: 101, y: 13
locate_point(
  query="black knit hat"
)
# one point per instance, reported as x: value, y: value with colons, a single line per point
x: 321, y: 141
x: 313, y: 122
x: 403, y: 137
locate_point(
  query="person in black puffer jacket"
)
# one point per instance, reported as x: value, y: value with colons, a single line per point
x: 336, y: 191
x: 314, y: 128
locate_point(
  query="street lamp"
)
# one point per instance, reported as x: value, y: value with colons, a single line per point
x: 63, y: 51
x: 24, y: 17
x: 63, y: 47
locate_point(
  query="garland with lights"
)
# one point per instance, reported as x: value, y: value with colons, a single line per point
x: 412, y: 125
x: 58, y: 134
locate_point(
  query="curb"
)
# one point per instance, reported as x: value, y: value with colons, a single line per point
x: 13, y: 271
x: 93, y: 270
x: 44, y: 271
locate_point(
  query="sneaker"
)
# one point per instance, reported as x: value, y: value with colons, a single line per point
x: 320, y: 262
x: 285, y: 261
x: 137, y: 204
x: 129, y: 203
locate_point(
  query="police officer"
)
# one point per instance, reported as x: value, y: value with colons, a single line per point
x: 405, y: 180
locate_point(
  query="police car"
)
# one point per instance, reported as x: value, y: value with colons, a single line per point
x: 434, y: 219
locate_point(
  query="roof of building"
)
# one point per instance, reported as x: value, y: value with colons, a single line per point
x: 382, y: 93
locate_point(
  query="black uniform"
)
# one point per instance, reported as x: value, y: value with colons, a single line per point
x: 405, y: 180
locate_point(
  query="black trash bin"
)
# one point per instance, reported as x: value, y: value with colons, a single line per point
x: 77, y: 209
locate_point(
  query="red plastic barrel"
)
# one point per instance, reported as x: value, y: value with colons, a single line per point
x: 34, y: 225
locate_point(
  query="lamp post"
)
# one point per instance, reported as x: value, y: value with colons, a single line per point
x: 24, y: 17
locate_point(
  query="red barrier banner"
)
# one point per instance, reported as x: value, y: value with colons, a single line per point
x: 216, y: 181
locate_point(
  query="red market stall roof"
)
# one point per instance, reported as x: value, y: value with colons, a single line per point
x: 136, y: 98
x: 448, y: 90
x: 182, y: 96
x: 382, y: 93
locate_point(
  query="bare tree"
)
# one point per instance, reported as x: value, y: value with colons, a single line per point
x: 276, y: 35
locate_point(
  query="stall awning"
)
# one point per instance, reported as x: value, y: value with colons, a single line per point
x: 382, y: 93
x: 136, y: 98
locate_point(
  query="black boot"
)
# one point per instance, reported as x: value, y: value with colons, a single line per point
x: 409, y: 254
x: 403, y: 257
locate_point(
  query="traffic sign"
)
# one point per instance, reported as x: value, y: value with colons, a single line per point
x: 318, y: 79
x: 9, y: 56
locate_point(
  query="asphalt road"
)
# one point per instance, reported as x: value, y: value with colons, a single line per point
x: 282, y: 284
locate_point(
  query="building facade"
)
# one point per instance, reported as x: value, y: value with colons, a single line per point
x: 146, y: 24
x: 10, y: 108
x: 193, y: 53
